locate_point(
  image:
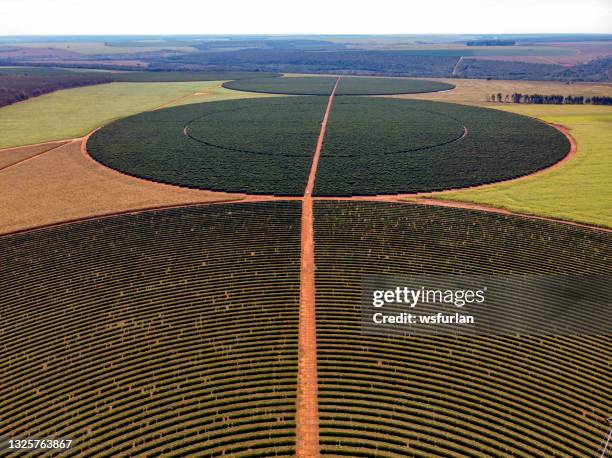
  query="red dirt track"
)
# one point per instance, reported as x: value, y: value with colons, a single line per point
x: 307, y: 410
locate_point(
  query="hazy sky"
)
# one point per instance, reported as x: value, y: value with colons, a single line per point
x: 64, y: 17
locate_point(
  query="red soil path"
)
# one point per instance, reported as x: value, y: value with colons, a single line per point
x: 307, y: 406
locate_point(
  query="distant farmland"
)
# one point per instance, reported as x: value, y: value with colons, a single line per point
x: 322, y: 85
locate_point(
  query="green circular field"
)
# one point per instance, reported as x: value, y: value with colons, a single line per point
x: 323, y: 85
x: 371, y: 146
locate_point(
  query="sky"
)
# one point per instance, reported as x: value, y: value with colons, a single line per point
x: 143, y: 17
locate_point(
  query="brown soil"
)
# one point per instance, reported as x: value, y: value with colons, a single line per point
x: 307, y: 409
x: 64, y: 184
x: 13, y: 156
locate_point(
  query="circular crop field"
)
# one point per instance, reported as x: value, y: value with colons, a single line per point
x: 323, y: 85
x: 371, y: 146
x: 175, y: 333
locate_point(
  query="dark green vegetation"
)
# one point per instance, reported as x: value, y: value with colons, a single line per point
x: 378, y: 146
x: 542, y: 99
x: 165, y: 333
x: 372, y: 145
x: 489, y: 396
x: 595, y: 70
x: 239, y: 146
x: 18, y: 84
x: 348, y: 86
x: 428, y: 63
x: 154, y: 77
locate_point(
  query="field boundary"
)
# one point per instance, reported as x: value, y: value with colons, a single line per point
x: 61, y: 143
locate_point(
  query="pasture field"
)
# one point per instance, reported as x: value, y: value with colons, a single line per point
x: 238, y: 146
x: 579, y: 190
x: 372, y: 146
x: 75, y: 112
x: 147, y: 335
x: 323, y: 85
x: 493, y: 396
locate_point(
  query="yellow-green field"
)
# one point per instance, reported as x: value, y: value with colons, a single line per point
x: 475, y: 92
x: 580, y: 190
x: 75, y: 112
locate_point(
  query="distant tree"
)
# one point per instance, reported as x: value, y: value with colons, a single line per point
x: 499, y: 96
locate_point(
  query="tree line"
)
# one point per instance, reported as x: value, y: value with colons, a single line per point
x: 554, y: 99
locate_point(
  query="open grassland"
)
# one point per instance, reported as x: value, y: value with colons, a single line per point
x: 475, y: 92
x: 168, y: 333
x: 454, y: 396
x: 580, y: 190
x: 76, y: 112
x: 63, y: 185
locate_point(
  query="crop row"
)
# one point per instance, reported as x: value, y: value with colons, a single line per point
x: 380, y: 146
x: 454, y: 396
x: 167, y: 333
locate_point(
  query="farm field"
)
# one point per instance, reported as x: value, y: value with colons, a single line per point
x: 76, y: 112
x: 377, y: 146
x: 18, y: 84
x: 65, y: 185
x: 462, y: 396
x: 322, y: 85
x: 238, y: 146
x: 578, y: 191
x: 372, y: 146
x: 150, y: 336
x: 475, y: 92
x: 161, y: 77
x: 17, y: 155
x: 147, y: 314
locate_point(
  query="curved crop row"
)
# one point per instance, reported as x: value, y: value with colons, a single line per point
x: 167, y: 332
x: 454, y: 396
